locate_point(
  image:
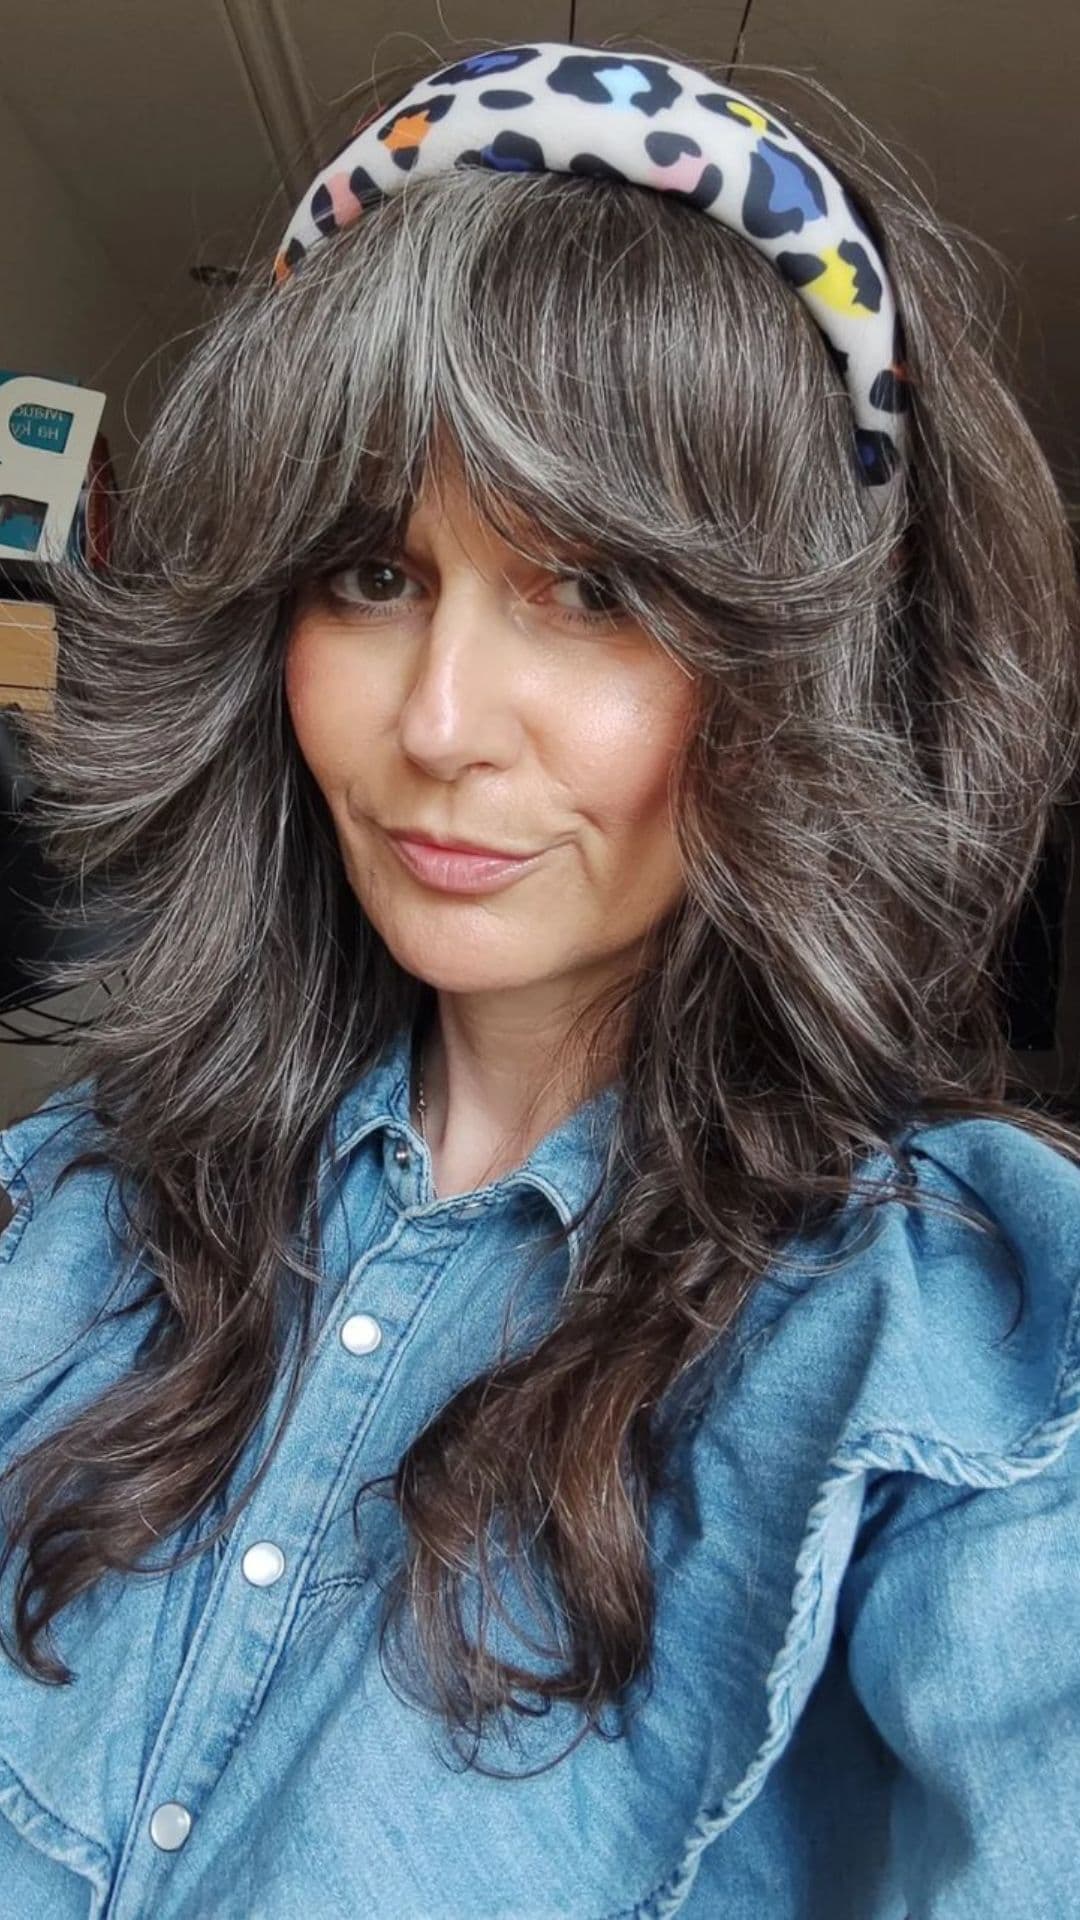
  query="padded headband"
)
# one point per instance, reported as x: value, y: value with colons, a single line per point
x: 550, y: 107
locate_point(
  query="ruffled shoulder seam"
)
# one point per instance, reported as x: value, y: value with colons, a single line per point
x: 880, y: 1451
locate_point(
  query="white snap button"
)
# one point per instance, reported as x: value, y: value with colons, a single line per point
x: 263, y: 1563
x: 402, y: 1154
x: 170, y: 1825
x: 360, y: 1333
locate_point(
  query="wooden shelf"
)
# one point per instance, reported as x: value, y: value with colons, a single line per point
x: 27, y: 655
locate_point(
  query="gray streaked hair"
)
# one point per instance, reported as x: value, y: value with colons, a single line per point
x: 885, y: 717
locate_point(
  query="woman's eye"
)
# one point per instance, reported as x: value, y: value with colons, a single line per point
x: 601, y: 602
x: 375, y: 586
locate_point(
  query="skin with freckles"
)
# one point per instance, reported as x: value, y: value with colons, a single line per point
x: 458, y: 689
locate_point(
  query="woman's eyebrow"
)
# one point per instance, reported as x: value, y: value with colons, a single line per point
x: 507, y: 557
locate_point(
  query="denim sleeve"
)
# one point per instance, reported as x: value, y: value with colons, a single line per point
x: 963, y: 1625
x: 59, y: 1260
x: 32, y: 1153
x: 960, y: 1606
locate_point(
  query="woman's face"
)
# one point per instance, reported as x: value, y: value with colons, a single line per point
x: 454, y: 689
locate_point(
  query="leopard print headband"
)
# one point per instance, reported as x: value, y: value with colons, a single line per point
x: 551, y: 107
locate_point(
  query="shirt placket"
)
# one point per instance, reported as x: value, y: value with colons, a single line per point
x: 346, y: 1424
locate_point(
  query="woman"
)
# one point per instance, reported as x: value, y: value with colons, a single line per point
x: 549, y: 1386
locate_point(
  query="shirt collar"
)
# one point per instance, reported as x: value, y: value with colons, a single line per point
x: 564, y: 1166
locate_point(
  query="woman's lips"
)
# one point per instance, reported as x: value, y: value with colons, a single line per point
x: 452, y: 872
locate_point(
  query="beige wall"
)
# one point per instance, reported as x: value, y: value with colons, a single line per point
x: 65, y: 308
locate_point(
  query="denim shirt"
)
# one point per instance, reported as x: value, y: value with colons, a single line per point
x: 864, y: 1699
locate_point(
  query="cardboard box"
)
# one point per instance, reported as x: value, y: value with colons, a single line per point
x: 27, y: 655
x: 47, y: 430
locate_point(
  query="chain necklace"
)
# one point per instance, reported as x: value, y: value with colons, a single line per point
x: 420, y: 1101
x: 422, y: 1104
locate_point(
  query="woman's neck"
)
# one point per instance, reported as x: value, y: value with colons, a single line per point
x: 485, y: 1106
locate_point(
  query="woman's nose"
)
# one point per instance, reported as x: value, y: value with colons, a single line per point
x: 460, y: 702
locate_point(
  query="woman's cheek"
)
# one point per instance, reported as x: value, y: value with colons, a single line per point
x: 294, y: 674
x: 304, y: 690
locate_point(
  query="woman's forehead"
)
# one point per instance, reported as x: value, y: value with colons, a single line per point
x: 447, y: 511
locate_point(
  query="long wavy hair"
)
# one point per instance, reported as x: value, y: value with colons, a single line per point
x: 886, y: 718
